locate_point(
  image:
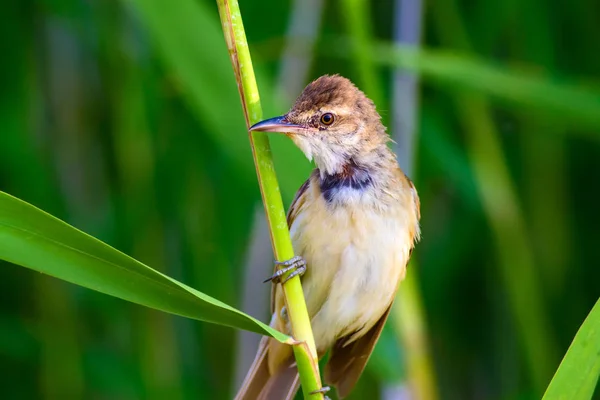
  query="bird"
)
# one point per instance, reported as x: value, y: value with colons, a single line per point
x: 353, y: 225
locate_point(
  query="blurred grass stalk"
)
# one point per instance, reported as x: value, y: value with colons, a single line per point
x: 255, y: 300
x: 360, y: 32
x: 59, y: 347
x: 305, y: 352
x: 408, y: 318
x: 299, y: 53
x: 55, y: 301
x: 407, y: 314
x: 545, y: 162
x: 504, y: 214
x: 157, y: 352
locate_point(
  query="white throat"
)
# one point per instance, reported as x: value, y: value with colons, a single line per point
x: 329, y: 159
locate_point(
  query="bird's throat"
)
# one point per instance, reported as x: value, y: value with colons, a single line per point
x: 351, y: 177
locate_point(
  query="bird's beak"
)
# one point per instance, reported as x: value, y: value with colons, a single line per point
x: 278, y: 124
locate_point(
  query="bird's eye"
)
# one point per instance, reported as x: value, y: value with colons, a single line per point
x: 327, y: 119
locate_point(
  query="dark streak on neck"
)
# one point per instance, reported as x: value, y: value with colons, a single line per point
x: 352, y: 176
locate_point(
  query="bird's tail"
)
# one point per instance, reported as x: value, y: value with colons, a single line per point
x: 260, y: 384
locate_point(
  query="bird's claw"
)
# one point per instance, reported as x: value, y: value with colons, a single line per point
x: 324, y: 389
x: 296, y: 264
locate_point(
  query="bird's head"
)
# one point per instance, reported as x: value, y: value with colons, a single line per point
x: 332, y: 121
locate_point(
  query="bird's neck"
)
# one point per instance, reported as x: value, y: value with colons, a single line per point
x: 356, y: 174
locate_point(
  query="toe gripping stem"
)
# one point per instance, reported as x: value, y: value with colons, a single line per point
x: 323, y: 390
x: 296, y: 264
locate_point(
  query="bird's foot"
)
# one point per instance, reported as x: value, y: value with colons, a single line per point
x: 284, y: 315
x: 296, y: 264
x: 324, y: 389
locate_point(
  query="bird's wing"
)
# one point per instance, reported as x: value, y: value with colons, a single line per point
x: 261, y: 384
x: 416, y: 200
x: 298, y: 202
x: 258, y: 374
x: 347, y: 362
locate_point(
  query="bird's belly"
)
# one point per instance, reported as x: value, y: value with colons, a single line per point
x: 355, y: 259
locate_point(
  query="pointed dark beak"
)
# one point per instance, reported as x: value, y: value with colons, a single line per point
x: 277, y: 124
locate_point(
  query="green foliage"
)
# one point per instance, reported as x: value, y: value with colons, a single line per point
x: 36, y: 240
x: 565, y: 102
x: 123, y: 119
x: 578, y: 373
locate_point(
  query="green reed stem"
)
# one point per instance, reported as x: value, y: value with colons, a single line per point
x: 408, y: 318
x: 307, y: 361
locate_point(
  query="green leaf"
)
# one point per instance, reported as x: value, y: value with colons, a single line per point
x: 34, y: 239
x: 577, y: 375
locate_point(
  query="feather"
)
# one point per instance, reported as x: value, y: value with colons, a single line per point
x: 298, y: 202
x: 258, y: 375
x: 348, y: 361
x: 283, y: 385
x: 261, y: 384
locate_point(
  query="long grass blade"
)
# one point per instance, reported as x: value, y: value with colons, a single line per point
x: 577, y: 375
x: 33, y: 239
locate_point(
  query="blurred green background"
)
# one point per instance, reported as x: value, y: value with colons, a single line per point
x: 123, y: 119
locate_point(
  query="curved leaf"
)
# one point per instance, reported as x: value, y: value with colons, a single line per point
x: 577, y: 375
x: 34, y: 239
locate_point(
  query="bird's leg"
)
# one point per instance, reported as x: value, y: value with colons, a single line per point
x: 324, y: 389
x: 296, y: 264
x: 283, y: 314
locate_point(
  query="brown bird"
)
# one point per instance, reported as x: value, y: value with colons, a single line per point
x: 353, y: 223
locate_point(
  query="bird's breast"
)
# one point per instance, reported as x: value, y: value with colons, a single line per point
x: 352, y: 182
x: 356, y: 255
